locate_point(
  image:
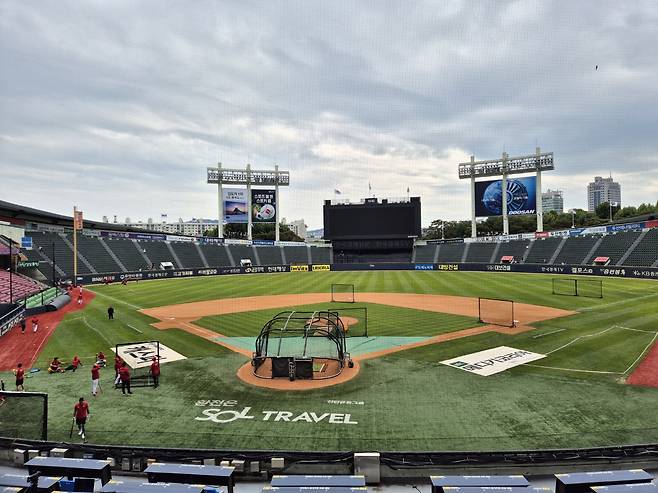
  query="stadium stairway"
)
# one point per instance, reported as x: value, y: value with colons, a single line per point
x: 156, y: 251
x: 128, y: 253
x: 81, y: 256
x: 111, y: 254
x: 63, y: 253
x: 177, y: 263
x: 645, y: 252
x: 296, y: 254
x: 216, y: 255
x: 425, y: 253
x: 239, y: 252
x: 480, y: 253
x: 576, y: 249
x: 188, y: 255
x: 270, y: 255
x: 516, y: 248
x: 541, y: 250
x: 614, y: 246
x: 451, y: 252
x: 96, y: 254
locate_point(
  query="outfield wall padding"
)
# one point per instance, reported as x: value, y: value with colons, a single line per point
x: 571, y: 270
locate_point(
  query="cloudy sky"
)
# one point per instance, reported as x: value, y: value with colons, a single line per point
x: 119, y: 106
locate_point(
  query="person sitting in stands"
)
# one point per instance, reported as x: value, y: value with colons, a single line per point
x: 55, y: 366
x: 100, y: 359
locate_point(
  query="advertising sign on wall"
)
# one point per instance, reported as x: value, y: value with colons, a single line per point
x: 235, y: 205
x: 521, y: 195
x: 492, y: 361
x: 263, y: 206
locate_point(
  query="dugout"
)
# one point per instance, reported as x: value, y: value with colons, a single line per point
x: 301, y: 345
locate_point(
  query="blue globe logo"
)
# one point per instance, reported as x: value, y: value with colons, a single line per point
x: 517, y: 197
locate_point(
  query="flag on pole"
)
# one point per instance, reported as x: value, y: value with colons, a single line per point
x: 77, y: 220
x: 337, y: 192
x: 369, y: 187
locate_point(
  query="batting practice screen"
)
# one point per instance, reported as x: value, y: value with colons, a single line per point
x: 496, y: 312
x: 24, y: 415
x: 588, y: 288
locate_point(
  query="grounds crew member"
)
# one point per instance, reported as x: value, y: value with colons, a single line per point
x: 110, y: 312
x: 22, y: 325
x: 124, y: 375
x: 155, y: 372
x: 20, y: 376
x: 95, y: 378
x: 80, y: 414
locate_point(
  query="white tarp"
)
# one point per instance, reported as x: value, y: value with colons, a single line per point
x: 492, y: 361
x: 140, y: 354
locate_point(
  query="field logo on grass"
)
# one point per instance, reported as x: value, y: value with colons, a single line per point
x: 140, y: 355
x: 217, y: 413
x: 492, y: 361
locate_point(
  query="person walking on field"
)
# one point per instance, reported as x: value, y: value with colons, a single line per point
x: 20, y: 376
x: 80, y: 414
x: 35, y: 324
x: 110, y: 312
x: 95, y: 378
x: 117, y: 366
x: 124, y: 375
x: 23, y: 325
x: 155, y: 372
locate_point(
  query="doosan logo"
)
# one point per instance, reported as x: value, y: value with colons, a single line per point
x: 223, y: 412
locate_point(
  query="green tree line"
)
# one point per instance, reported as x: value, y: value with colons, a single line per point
x: 527, y: 224
x: 259, y: 231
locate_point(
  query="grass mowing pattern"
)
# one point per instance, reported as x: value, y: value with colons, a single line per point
x: 383, y: 320
x: 410, y: 401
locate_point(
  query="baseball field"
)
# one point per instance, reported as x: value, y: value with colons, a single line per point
x: 399, y: 396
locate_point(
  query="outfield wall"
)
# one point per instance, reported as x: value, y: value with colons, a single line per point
x: 600, y: 271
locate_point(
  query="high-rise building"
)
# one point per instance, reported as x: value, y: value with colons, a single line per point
x: 603, y: 190
x: 552, y: 200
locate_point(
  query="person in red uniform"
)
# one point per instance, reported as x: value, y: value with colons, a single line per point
x: 100, y: 359
x: 118, y: 361
x: 95, y: 378
x: 55, y: 366
x: 124, y: 375
x: 155, y: 372
x: 20, y: 376
x: 80, y: 414
x: 75, y: 362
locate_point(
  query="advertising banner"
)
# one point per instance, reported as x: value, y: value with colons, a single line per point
x: 521, y: 195
x: 263, y: 242
x: 299, y: 268
x: 235, y: 205
x: 492, y: 361
x: 132, y: 236
x: 625, y: 227
x: 321, y: 268
x: 263, y: 206
x: 26, y: 243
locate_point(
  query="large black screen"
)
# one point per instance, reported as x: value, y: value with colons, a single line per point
x: 373, y: 220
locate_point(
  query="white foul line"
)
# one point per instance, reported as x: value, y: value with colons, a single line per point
x: 548, y: 333
x: 573, y: 369
x: 581, y: 337
x: 642, y: 353
x: 135, y: 329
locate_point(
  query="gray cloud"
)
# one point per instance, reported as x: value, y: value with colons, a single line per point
x: 119, y: 107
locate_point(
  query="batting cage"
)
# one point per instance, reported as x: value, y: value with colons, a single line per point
x: 342, y: 293
x: 24, y: 415
x: 139, y: 356
x: 301, y: 345
x: 588, y: 288
x: 496, y: 312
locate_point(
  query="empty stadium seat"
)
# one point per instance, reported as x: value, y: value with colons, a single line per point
x: 542, y: 250
x: 646, y: 252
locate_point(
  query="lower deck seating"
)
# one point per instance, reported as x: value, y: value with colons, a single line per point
x: 646, y: 252
x: 575, y: 250
x: 127, y: 252
x: 425, y: 253
x: 542, y: 250
x: 188, y: 255
x: 216, y: 255
x: 17, y: 285
x: 296, y: 254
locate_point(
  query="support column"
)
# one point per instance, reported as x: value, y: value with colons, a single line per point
x: 504, y: 195
x: 540, y: 206
x: 276, y: 201
x: 474, y: 227
x: 220, y: 203
x: 249, y: 201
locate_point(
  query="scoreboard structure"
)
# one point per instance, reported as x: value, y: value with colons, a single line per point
x: 372, y: 224
x: 508, y: 195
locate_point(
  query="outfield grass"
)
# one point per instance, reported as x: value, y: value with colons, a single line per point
x: 404, y: 401
x: 383, y: 320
